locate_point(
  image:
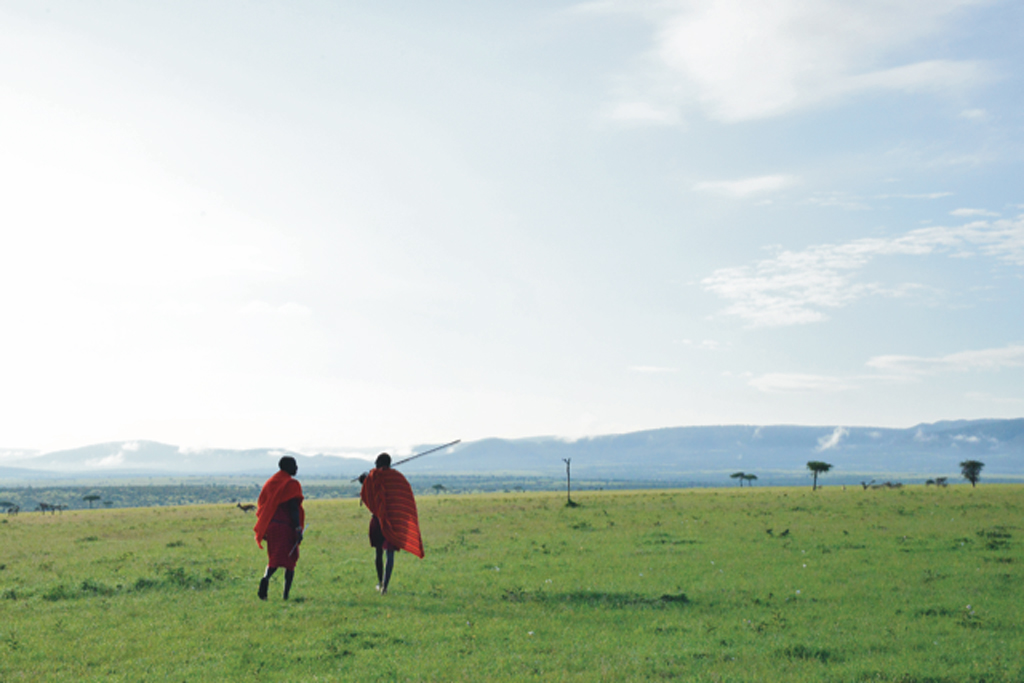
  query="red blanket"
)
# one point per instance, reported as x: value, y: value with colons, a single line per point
x: 279, y: 488
x: 387, y: 494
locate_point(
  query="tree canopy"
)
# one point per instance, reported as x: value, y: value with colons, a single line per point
x: 818, y: 467
x: 971, y: 470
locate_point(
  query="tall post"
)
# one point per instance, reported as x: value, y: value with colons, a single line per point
x: 568, y: 481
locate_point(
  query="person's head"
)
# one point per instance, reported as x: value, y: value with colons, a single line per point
x: 383, y: 461
x: 288, y: 464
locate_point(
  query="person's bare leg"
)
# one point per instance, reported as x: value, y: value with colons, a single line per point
x: 387, y: 572
x: 265, y: 582
x: 289, y: 574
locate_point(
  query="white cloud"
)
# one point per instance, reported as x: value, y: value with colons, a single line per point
x: 963, y: 361
x: 708, y: 344
x: 832, y: 440
x: 749, y: 59
x: 653, y: 369
x: 839, y: 200
x: 781, y: 382
x: 262, y: 308
x: 108, y: 461
x: 923, y: 195
x: 642, y: 113
x: 974, y: 114
x: 965, y: 213
x: 746, y: 187
x: 894, y: 369
x: 797, y: 287
x: 984, y: 397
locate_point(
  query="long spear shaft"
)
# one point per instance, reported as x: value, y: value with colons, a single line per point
x: 419, y: 455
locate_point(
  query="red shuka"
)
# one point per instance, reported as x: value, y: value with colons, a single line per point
x: 387, y: 494
x: 279, y: 488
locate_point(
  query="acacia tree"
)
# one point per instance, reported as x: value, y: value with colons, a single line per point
x: 818, y: 467
x: 90, y: 498
x: 971, y: 469
x: 750, y: 479
x: 438, y: 488
x: 738, y: 475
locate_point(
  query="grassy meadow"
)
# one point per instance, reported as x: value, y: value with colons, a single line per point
x: 918, y: 584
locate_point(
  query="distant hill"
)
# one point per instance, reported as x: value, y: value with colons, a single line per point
x: 776, y: 454
x: 681, y: 453
x: 150, y: 458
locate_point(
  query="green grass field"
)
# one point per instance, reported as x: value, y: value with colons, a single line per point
x: 910, y: 585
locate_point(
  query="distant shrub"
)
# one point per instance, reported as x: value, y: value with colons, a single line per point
x: 179, y: 577
x: 806, y: 653
x: 58, y: 592
x: 96, y: 588
x: 142, y: 584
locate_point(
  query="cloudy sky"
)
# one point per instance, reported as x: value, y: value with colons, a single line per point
x: 321, y: 225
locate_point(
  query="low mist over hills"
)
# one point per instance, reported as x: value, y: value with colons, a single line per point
x: 776, y: 454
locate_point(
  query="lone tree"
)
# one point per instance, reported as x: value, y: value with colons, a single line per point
x: 438, y: 488
x: 750, y: 479
x: 818, y: 467
x: 738, y: 475
x: 971, y: 470
x: 90, y: 499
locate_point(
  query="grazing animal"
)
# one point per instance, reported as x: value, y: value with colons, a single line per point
x: 784, y: 533
x: 14, y: 509
x: 248, y: 507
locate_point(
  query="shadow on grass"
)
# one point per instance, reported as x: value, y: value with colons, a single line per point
x: 810, y: 653
x: 596, y: 599
x: 347, y: 644
x: 662, y: 538
x: 173, y: 578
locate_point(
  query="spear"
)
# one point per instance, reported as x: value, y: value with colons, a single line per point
x: 420, y: 455
x: 301, y: 531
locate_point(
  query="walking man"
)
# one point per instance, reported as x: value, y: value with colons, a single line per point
x: 395, y: 524
x: 280, y: 520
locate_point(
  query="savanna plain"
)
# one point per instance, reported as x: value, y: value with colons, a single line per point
x: 752, y: 584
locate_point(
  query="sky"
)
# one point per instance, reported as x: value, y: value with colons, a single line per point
x: 331, y: 225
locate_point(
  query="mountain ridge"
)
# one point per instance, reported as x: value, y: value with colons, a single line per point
x: 667, y: 453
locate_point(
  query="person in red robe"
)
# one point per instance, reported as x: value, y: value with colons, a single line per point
x: 280, y: 520
x: 395, y: 524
